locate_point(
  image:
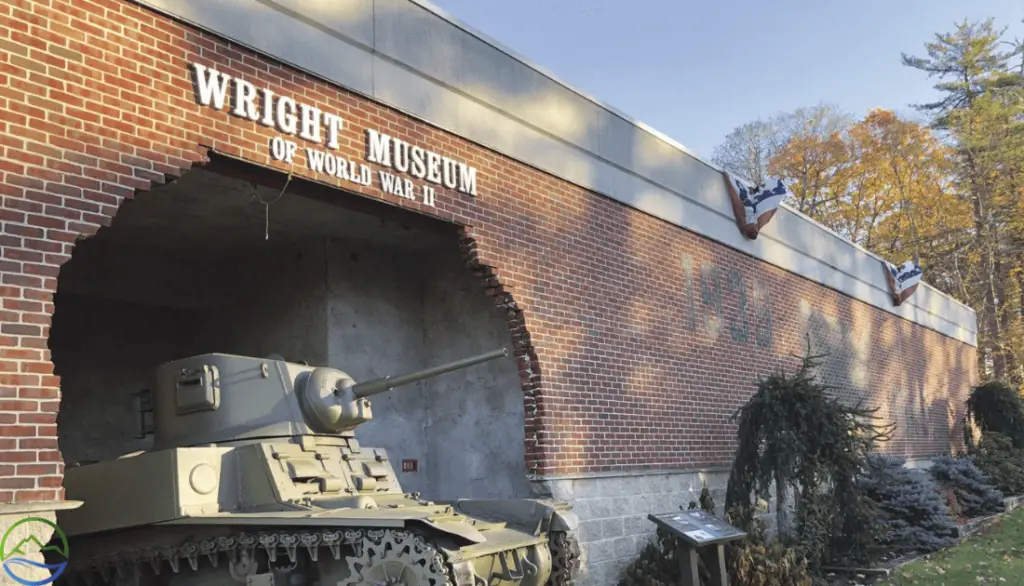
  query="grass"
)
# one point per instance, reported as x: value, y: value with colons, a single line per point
x: 994, y: 557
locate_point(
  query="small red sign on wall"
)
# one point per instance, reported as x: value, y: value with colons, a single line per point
x: 410, y: 465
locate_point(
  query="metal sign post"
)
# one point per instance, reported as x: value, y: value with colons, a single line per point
x: 698, y: 530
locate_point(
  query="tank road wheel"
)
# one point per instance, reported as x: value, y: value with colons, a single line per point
x: 396, y: 558
x: 565, y: 558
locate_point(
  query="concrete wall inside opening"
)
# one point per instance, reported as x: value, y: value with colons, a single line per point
x: 188, y: 269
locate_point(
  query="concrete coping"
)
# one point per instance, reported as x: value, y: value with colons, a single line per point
x: 37, y: 507
x: 623, y: 473
x: 914, y: 462
x: 422, y: 62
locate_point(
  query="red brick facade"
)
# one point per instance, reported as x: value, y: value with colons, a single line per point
x: 637, y: 339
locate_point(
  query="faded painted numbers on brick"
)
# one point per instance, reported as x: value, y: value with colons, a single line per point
x: 738, y: 327
x: 717, y: 288
x: 686, y: 261
x: 711, y: 299
x: 762, y: 314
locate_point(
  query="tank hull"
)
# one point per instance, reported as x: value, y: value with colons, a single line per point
x: 256, y: 477
x: 263, y: 513
x: 228, y: 554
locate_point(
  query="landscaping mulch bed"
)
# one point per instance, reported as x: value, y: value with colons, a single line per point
x: 912, y: 569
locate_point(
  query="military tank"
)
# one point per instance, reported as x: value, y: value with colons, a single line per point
x: 256, y: 477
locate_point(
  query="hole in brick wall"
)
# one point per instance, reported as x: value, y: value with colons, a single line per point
x: 186, y: 269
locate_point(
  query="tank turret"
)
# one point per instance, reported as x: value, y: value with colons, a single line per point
x: 221, y: 398
x: 336, y: 404
x: 256, y: 477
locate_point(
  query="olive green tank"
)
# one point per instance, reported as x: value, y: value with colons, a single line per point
x: 256, y: 477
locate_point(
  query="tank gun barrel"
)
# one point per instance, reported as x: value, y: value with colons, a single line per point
x: 379, y: 385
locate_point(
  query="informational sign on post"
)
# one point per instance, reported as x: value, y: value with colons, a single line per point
x: 697, y: 527
x: 697, y: 530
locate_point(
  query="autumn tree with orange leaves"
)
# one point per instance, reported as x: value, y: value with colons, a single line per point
x: 949, y: 195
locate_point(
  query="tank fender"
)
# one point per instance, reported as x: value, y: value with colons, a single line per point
x: 532, y: 515
x: 465, y: 533
x: 564, y: 520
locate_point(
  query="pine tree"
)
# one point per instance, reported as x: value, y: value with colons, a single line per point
x: 795, y: 436
x: 968, y: 63
x: 981, y: 108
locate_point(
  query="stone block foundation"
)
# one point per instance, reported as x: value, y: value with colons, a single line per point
x: 613, y: 513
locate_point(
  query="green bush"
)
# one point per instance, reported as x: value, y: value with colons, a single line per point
x: 755, y: 561
x: 996, y: 407
x: 657, y: 564
x: 996, y: 456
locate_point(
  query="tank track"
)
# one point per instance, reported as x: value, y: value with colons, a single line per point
x: 565, y: 558
x: 235, y: 548
x: 124, y: 567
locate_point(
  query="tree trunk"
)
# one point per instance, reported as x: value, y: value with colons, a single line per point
x: 781, y: 514
x: 988, y: 319
x: 1006, y: 317
x: 997, y: 290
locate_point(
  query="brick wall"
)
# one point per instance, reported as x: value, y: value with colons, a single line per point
x: 637, y: 339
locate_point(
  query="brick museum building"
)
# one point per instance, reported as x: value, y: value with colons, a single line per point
x: 372, y: 185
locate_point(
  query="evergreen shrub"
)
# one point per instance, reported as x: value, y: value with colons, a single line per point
x: 996, y: 407
x: 915, y: 516
x: 974, y: 492
x: 797, y: 438
x: 996, y: 456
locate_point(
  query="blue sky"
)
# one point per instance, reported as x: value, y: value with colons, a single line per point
x: 695, y: 70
